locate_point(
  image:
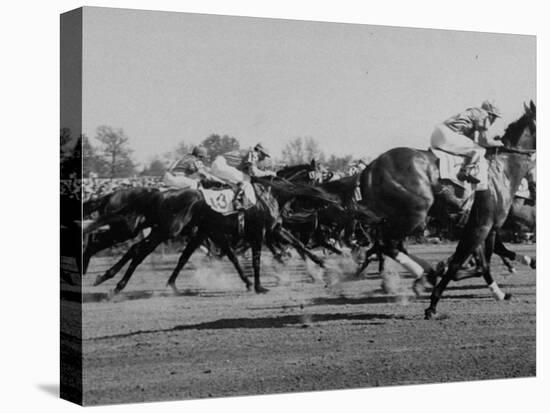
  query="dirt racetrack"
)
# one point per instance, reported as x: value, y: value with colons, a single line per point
x: 218, y: 340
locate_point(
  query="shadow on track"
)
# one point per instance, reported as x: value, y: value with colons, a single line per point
x: 262, y: 322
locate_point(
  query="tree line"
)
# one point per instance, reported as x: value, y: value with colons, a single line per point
x: 108, y: 154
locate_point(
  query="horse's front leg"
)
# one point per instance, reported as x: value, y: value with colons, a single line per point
x: 368, y: 253
x: 468, y: 244
x: 256, y: 263
x: 194, y: 243
x: 486, y: 264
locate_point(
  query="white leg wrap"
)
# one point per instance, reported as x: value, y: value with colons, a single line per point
x: 410, y: 265
x: 524, y: 259
x: 496, y: 291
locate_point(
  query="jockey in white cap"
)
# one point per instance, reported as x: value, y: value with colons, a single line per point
x: 241, y: 174
x: 466, y: 134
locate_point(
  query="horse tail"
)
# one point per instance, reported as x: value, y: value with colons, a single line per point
x: 93, y: 205
x: 121, y: 205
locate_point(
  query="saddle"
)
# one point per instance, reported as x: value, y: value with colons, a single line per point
x: 450, y: 165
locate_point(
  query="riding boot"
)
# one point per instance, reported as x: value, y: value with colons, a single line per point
x: 238, y: 201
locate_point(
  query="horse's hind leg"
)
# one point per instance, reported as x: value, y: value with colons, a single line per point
x: 111, y: 272
x: 256, y: 245
x: 144, y: 248
x: 194, y: 243
x: 501, y: 250
x: 222, y: 242
x: 97, y: 244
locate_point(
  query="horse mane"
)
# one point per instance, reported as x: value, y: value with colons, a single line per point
x: 343, y: 186
x: 289, y: 170
x: 297, y: 190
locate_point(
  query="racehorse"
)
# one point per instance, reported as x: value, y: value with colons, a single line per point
x: 185, y: 211
x: 507, y: 167
x: 522, y: 218
x: 402, y: 184
x: 126, y: 211
x: 315, y: 226
x: 308, y: 173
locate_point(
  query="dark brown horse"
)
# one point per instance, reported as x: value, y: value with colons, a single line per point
x: 308, y: 173
x: 126, y: 212
x: 507, y: 167
x: 185, y: 212
x: 402, y: 185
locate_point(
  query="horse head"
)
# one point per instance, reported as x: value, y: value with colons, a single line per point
x: 307, y: 173
x: 520, y: 137
x: 522, y: 134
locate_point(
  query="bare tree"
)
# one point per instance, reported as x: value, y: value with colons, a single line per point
x: 116, y: 151
x: 302, y: 150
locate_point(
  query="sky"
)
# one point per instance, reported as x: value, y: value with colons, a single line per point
x: 357, y: 89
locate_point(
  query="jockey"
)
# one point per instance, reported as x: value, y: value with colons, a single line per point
x: 466, y: 134
x: 249, y: 163
x: 241, y: 174
x: 188, y: 171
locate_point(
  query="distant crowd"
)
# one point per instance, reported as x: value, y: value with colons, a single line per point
x: 94, y: 187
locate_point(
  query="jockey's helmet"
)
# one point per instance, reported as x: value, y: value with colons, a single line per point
x: 490, y: 107
x: 260, y: 148
x: 200, y: 152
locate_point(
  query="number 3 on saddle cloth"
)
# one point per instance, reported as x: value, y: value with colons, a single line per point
x: 222, y: 200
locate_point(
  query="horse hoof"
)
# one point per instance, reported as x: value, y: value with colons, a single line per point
x: 174, y: 289
x: 507, y: 296
x: 429, y: 313
x: 533, y: 264
x: 248, y: 287
x: 98, y: 281
x: 261, y: 290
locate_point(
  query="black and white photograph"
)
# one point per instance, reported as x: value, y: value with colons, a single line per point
x: 272, y: 206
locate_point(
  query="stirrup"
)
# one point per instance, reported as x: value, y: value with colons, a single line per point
x: 465, y: 175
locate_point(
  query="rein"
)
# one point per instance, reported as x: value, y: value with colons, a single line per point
x: 504, y: 149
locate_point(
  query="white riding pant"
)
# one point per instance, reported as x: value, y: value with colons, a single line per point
x: 220, y: 169
x: 180, y: 181
x: 448, y: 140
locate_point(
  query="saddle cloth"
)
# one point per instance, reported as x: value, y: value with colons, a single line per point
x: 449, y: 167
x: 221, y: 200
